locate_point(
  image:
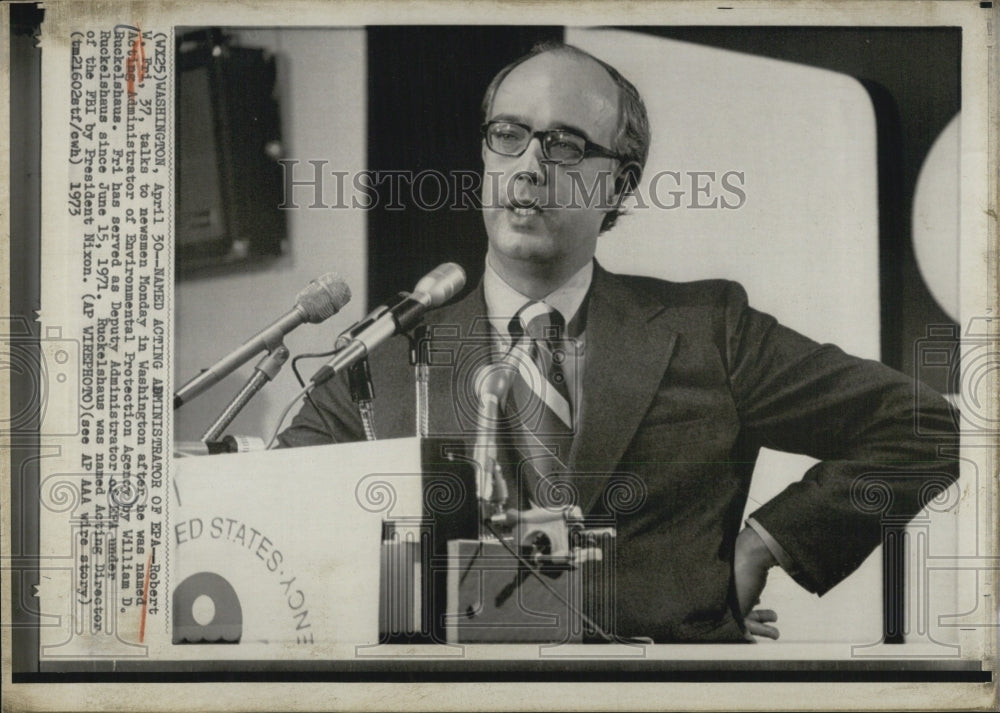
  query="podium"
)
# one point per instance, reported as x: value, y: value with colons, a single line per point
x: 327, y: 551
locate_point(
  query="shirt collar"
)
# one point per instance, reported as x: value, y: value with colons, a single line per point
x: 503, y: 301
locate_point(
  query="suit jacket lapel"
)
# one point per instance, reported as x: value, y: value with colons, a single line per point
x: 455, y: 327
x: 628, y: 347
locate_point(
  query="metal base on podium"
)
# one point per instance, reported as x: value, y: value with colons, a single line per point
x: 493, y: 598
x: 480, y: 593
x: 441, y: 582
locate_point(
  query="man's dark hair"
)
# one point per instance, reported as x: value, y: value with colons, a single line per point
x: 632, y: 139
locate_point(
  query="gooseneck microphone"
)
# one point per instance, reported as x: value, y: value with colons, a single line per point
x: 319, y: 300
x: 494, y: 382
x: 433, y: 290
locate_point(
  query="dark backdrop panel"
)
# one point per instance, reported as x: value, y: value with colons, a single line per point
x: 425, y: 85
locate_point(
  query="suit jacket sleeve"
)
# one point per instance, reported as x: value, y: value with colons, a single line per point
x: 858, y: 417
x: 330, y: 417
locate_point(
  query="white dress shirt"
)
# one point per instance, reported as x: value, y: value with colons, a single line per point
x: 503, y: 302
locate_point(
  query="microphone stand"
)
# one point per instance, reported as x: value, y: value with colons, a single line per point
x: 265, y: 371
x: 537, y: 538
x: 420, y: 361
x: 549, y: 532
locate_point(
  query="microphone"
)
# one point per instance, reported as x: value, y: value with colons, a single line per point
x: 319, y: 300
x: 494, y: 382
x: 434, y: 289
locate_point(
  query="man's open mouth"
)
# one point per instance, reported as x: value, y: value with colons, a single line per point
x: 525, y: 209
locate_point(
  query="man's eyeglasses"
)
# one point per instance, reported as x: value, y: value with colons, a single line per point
x: 562, y: 146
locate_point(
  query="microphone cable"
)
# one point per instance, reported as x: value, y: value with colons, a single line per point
x: 307, y: 392
x: 284, y: 414
x: 298, y: 377
x: 304, y: 391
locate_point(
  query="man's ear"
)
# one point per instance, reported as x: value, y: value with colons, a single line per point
x: 626, y: 181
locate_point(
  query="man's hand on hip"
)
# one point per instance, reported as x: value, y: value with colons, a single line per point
x: 751, y: 561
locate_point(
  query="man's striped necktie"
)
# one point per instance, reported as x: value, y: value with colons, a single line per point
x: 539, y: 406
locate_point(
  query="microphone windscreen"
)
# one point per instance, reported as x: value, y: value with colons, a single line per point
x: 442, y: 283
x: 323, y: 297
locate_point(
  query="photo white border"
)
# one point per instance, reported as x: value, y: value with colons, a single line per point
x: 979, y: 126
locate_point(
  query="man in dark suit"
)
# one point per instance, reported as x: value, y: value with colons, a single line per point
x: 670, y: 389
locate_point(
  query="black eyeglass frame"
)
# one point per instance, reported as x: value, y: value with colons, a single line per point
x: 590, y: 149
